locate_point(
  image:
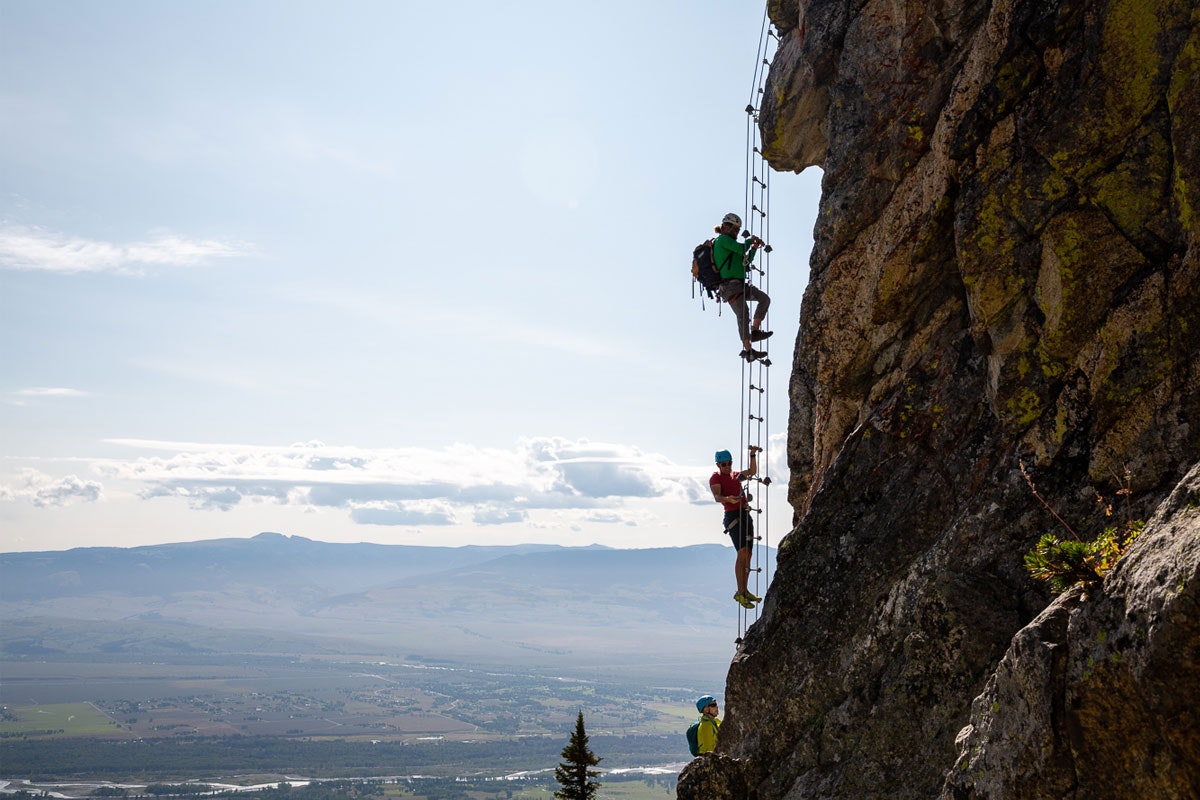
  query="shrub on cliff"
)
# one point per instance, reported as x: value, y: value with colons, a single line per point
x: 1063, y: 563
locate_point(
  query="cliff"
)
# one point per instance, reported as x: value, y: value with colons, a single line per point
x: 1005, y: 273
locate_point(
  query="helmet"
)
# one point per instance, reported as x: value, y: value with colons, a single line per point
x: 703, y: 702
x: 723, y: 455
x: 733, y: 219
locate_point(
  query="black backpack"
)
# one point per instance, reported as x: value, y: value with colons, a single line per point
x: 704, y: 270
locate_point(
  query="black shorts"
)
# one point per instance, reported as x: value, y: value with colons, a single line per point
x: 740, y: 527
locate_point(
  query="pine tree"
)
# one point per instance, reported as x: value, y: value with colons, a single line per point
x: 573, y: 774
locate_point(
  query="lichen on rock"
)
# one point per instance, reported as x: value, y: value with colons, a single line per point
x: 1005, y: 271
x: 1095, y: 697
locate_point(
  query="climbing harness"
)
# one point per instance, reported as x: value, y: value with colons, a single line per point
x: 755, y: 386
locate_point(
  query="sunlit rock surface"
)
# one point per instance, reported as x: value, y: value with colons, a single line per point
x: 1005, y: 272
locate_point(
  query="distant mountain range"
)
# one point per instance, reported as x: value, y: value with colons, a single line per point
x: 663, y: 611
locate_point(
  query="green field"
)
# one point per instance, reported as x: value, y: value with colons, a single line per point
x: 329, y: 719
x: 60, y: 719
x: 670, y: 718
x: 611, y: 790
x: 323, y: 697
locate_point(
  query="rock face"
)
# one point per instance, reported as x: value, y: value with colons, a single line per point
x: 1005, y: 272
x: 1097, y: 696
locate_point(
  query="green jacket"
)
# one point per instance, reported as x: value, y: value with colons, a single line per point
x: 729, y: 255
x: 706, y: 735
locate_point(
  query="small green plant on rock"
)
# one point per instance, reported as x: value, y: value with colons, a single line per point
x: 1063, y: 563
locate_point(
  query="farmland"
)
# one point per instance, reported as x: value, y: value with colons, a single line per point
x: 263, y: 660
x: 316, y: 698
x: 321, y: 718
x: 615, y: 786
x: 62, y: 719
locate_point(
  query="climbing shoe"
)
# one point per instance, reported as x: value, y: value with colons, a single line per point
x: 750, y: 355
x: 751, y: 597
x: 758, y: 336
x: 741, y: 599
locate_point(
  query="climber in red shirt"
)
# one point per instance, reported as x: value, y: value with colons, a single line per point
x: 728, y: 490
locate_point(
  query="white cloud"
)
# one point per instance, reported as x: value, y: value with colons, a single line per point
x: 497, y: 515
x: 23, y: 397
x: 540, y: 487
x: 217, y: 495
x: 608, y: 518
x: 776, y: 461
x: 25, y: 247
x: 50, y: 391
x: 437, y: 514
x: 45, y: 491
x: 409, y: 486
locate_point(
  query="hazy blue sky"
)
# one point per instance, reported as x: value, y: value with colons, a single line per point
x: 400, y: 272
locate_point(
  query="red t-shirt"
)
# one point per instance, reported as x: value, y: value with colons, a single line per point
x: 730, y: 487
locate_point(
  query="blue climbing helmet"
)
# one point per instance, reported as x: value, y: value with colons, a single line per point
x: 723, y: 455
x: 703, y: 702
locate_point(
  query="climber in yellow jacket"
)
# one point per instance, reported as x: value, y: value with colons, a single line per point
x: 706, y: 734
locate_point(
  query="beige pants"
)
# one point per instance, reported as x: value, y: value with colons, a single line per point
x: 737, y: 293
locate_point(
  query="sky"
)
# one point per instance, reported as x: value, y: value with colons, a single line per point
x: 366, y: 271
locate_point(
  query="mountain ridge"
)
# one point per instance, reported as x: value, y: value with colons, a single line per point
x: 322, y: 562
x: 548, y: 606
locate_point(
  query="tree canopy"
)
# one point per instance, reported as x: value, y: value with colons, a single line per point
x: 574, y: 773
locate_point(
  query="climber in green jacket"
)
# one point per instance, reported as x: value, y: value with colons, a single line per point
x: 732, y: 257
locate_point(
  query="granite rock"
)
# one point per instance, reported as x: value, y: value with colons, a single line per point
x: 1005, y: 273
